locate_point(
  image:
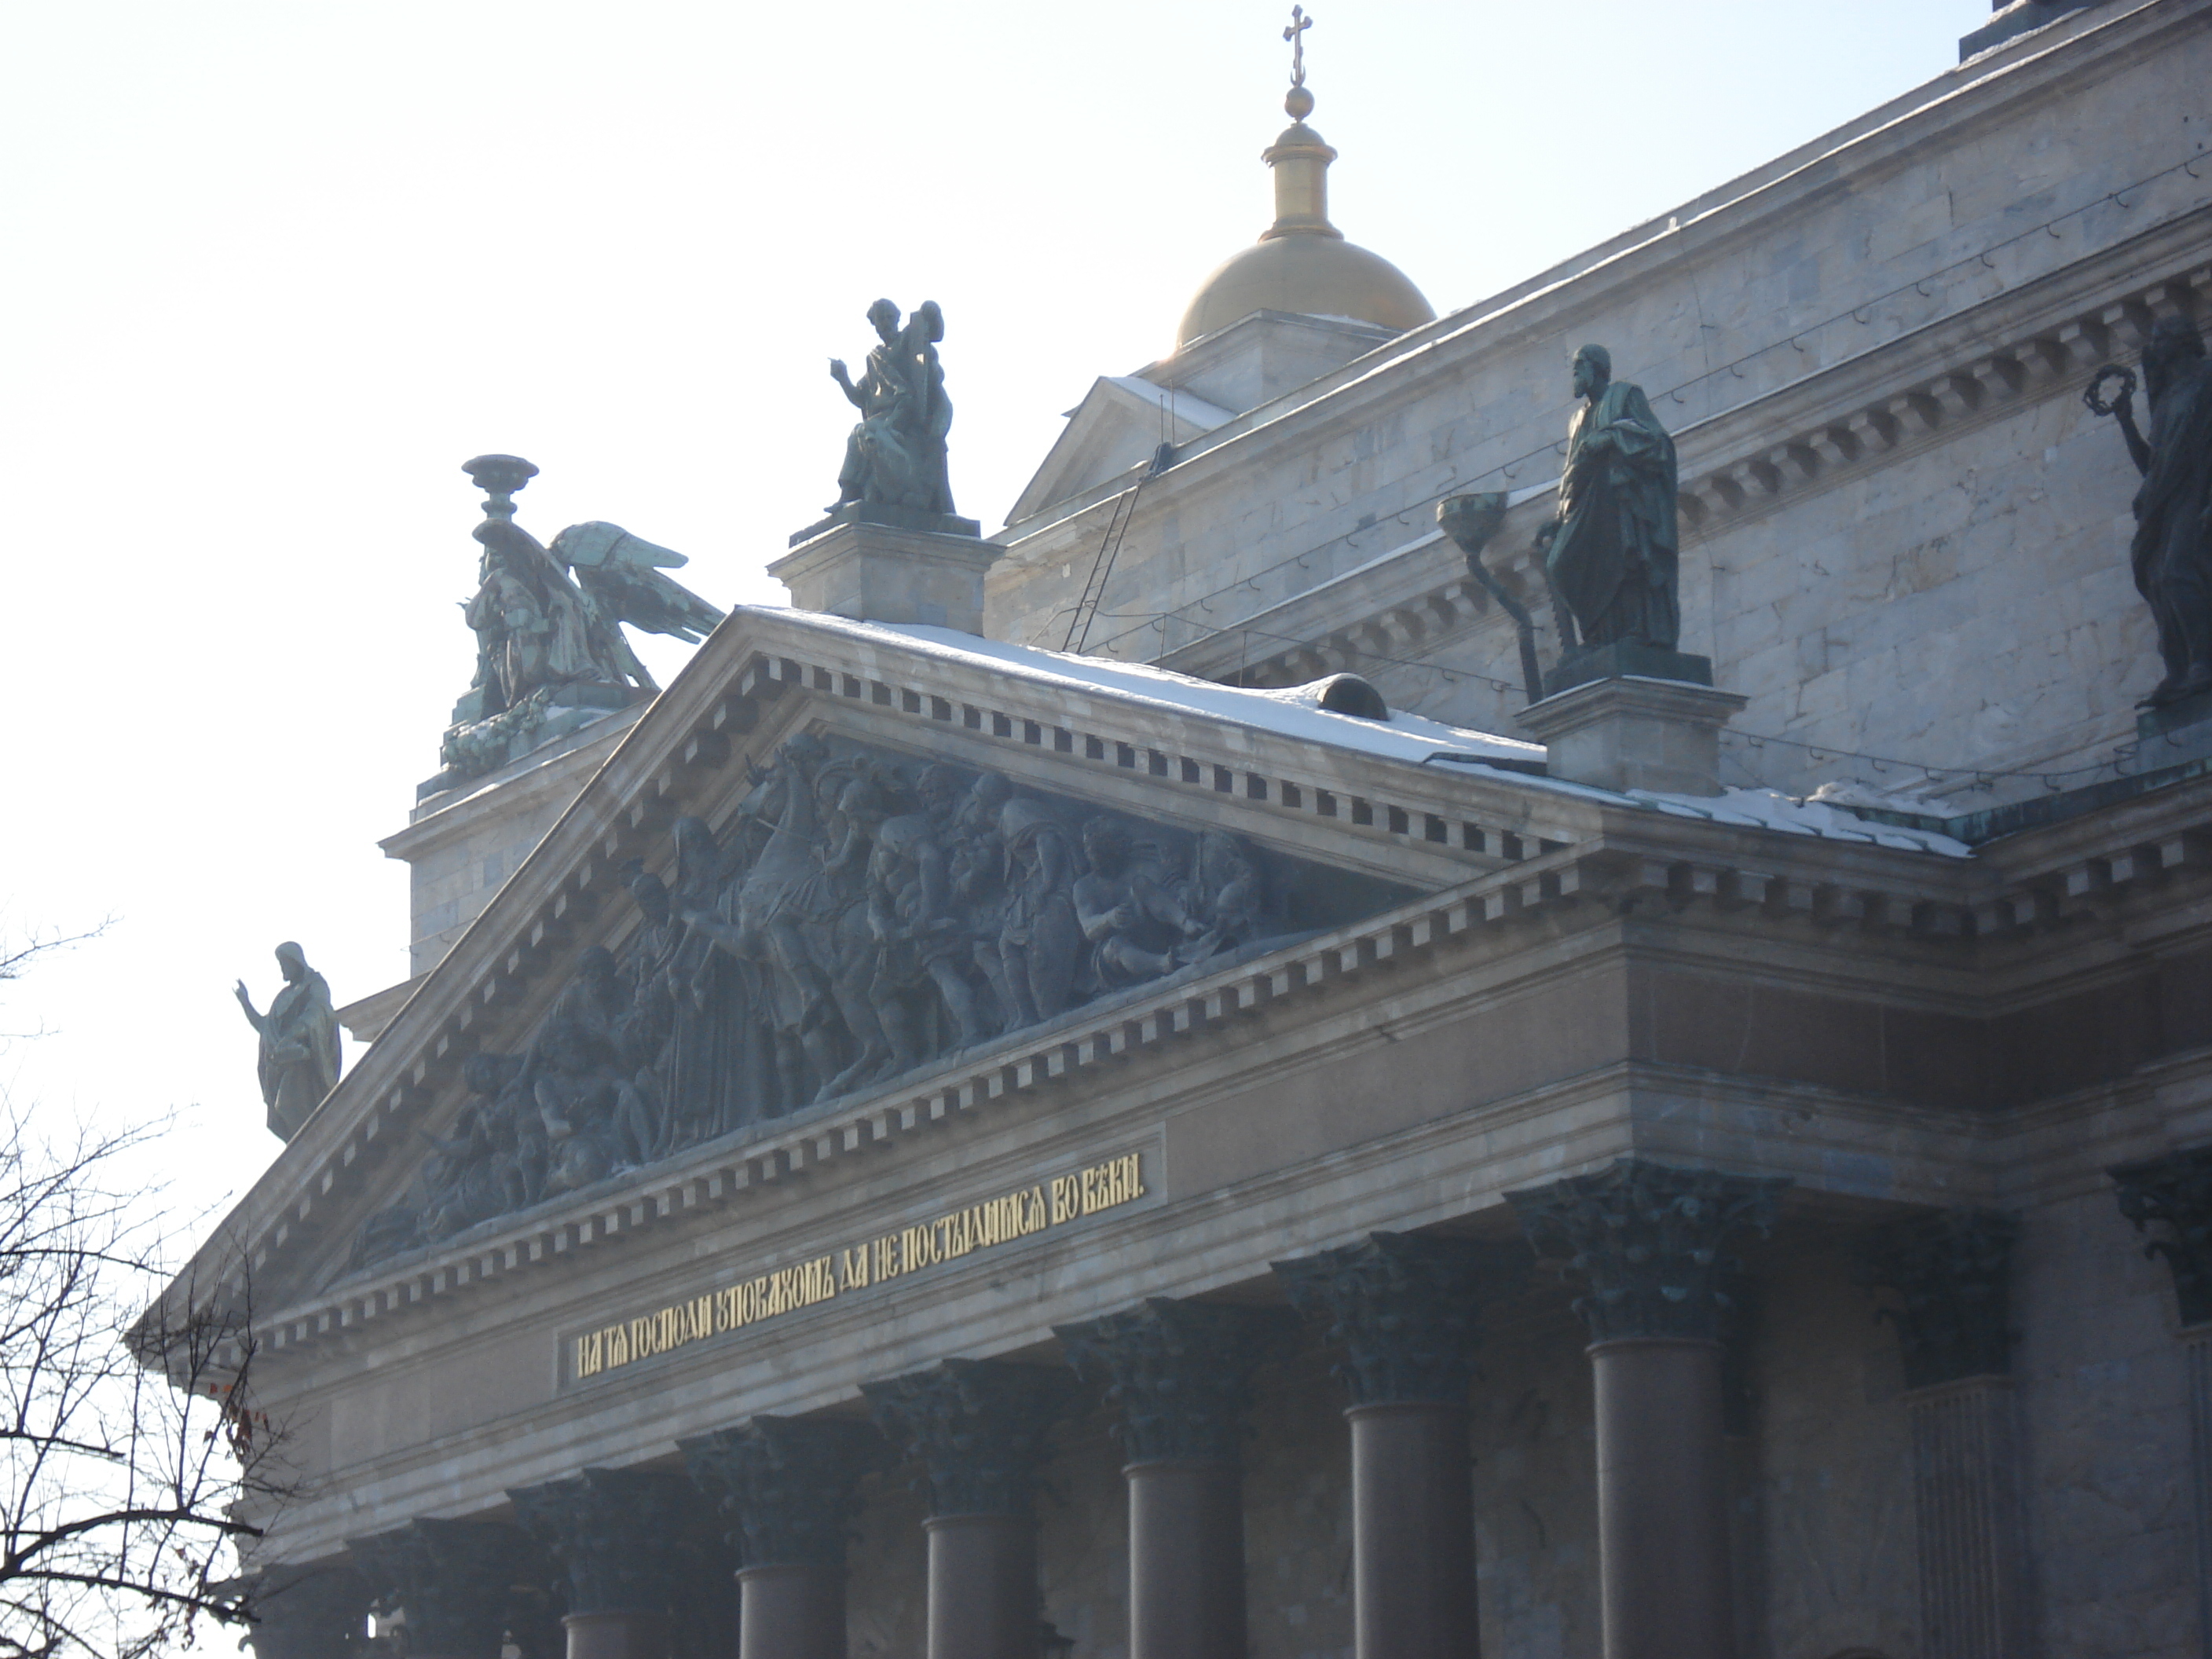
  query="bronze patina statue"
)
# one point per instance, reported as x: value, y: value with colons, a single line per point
x: 299, y: 1043
x: 2172, y: 546
x: 1611, y: 551
x: 896, y: 456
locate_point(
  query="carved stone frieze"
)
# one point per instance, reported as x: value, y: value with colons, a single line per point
x: 862, y: 914
x: 1650, y: 1241
x: 619, y: 1536
x: 1406, y: 1309
x: 1181, y: 1372
x: 786, y: 1487
x: 461, y: 1585
x: 978, y: 1427
x: 1951, y: 1270
x: 2171, y: 1198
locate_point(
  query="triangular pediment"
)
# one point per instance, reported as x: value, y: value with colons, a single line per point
x: 889, y: 853
x: 1119, y: 424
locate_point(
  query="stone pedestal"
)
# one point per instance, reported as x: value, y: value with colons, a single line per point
x: 2017, y: 18
x: 886, y: 573
x: 1635, y: 734
x: 2171, y: 736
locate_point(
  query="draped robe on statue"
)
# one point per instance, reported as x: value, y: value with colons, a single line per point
x: 1613, y: 558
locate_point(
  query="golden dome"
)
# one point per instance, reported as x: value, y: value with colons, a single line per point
x: 1301, y: 262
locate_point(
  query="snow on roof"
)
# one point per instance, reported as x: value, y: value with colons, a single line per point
x: 1770, y: 808
x: 1184, y: 405
x: 1292, y: 711
x: 1289, y: 711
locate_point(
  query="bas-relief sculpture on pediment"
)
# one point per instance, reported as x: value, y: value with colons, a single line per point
x: 862, y: 914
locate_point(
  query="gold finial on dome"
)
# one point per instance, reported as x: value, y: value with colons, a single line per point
x: 1302, y: 265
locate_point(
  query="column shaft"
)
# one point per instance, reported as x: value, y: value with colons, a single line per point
x: 1413, y: 1533
x: 2197, y: 1350
x: 791, y: 1613
x: 982, y: 1587
x: 1661, y: 1500
x: 1965, y: 1514
x: 1186, y: 1560
x: 618, y: 1635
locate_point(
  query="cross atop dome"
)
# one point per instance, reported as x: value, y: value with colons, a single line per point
x: 1302, y: 265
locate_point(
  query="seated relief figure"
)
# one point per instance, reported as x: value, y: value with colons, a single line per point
x: 2172, y: 554
x: 861, y: 915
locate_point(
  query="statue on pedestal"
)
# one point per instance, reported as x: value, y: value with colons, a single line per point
x: 1611, y: 551
x: 549, y: 625
x: 299, y: 1062
x: 896, y: 456
x: 2172, y: 549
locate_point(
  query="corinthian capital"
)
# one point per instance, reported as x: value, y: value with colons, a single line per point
x: 620, y: 1535
x: 463, y: 1584
x: 1650, y: 1241
x: 785, y: 1484
x: 979, y: 1427
x: 1181, y: 1372
x: 2173, y: 1194
x: 1951, y: 1270
x: 1406, y: 1309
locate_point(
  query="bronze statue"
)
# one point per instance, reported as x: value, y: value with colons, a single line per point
x: 2172, y: 546
x: 896, y: 456
x: 1610, y: 553
x: 299, y: 1060
x: 549, y: 623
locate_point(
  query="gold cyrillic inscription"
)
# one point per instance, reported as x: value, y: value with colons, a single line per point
x: 982, y: 1226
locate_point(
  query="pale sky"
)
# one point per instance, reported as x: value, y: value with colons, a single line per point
x: 275, y: 268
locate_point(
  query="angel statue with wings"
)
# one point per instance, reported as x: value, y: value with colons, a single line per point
x: 549, y: 617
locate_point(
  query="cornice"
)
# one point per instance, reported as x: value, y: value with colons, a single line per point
x: 1832, y: 426
x: 1954, y: 107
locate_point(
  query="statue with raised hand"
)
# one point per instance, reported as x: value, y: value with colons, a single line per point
x: 1611, y: 549
x: 2172, y: 549
x: 895, y: 457
x: 299, y: 1062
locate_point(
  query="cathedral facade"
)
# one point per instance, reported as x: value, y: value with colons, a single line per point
x: 1525, y: 981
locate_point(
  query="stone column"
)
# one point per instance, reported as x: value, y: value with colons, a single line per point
x: 620, y: 1539
x: 978, y: 1426
x: 458, y: 1583
x: 2173, y: 1194
x: 319, y: 1612
x: 1650, y: 1241
x: 1406, y: 1309
x: 1182, y: 1373
x: 1950, y: 1270
x: 785, y: 1488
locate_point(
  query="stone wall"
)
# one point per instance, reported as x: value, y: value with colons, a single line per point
x: 1965, y: 602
